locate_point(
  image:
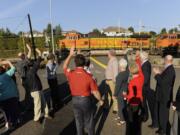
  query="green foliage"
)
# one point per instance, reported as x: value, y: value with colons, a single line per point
x: 163, y: 31
x: 152, y: 33
x: 131, y: 29
x: 141, y: 35
x: 48, y: 29
x: 39, y: 42
x: 57, y: 30
x: 6, y: 32
x: 8, y: 43
x: 11, y: 43
x: 96, y: 33
x: 18, y: 43
x: 9, y: 53
x: 173, y: 30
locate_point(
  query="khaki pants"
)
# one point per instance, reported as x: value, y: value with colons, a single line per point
x: 111, y: 85
x: 175, y: 125
x: 39, y: 102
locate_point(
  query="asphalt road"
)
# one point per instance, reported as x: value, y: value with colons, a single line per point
x: 63, y: 123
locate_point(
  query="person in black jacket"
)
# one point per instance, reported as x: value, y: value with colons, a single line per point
x: 164, y: 92
x: 21, y: 68
x: 35, y: 86
x: 148, y: 94
x: 175, y: 129
x: 121, y: 90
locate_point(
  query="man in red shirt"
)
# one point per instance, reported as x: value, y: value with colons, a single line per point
x: 82, y: 86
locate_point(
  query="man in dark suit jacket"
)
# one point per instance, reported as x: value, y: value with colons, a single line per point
x: 148, y: 94
x: 164, y: 92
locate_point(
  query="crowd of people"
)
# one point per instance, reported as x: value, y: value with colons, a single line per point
x: 132, y: 96
x: 27, y: 70
x: 129, y: 94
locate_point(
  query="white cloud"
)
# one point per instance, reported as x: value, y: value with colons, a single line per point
x: 12, y: 10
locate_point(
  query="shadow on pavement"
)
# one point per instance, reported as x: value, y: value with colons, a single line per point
x: 63, y: 94
x: 70, y: 129
x: 102, y: 112
x: 134, y: 128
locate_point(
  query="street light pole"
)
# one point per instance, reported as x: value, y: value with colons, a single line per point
x: 140, y: 28
x: 52, y: 35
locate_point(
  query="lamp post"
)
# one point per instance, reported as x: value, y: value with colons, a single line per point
x: 52, y: 35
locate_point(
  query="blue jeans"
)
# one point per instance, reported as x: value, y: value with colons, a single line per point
x: 121, y: 108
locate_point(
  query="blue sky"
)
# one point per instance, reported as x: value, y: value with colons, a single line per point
x: 84, y: 15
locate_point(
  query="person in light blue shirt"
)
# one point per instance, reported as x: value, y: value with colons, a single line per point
x: 8, y: 93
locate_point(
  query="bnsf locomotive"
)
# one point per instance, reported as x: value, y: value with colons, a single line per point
x: 161, y: 41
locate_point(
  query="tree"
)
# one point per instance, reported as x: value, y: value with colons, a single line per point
x: 20, y: 33
x: 57, y: 30
x: 48, y: 29
x: 171, y: 31
x: 163, y: 31
x: 152, y: 33
x: 95, y: 33
x: 2, y: 32
x: 175, y: 29
x: 131, y: 29
x: 8, y: 32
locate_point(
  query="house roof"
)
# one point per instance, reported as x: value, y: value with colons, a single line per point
x: 34, y: 32
x: 71, y: 31
x: 115, y: 29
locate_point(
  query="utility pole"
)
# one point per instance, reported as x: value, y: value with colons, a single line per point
x: 140, y: 28
x: 89, y: 41
x: 23, y: 43
x: 52, y: 35
x: 119, y: 24
x: 32, y: 37
x: 119, y: 31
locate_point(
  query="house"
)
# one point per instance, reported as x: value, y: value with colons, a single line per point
x: 116, y: 31
x: 35, y: 34
x: 65, y: 33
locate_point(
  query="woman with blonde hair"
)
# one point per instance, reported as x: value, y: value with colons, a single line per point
x: 137, y: 81
x: 135, y: 99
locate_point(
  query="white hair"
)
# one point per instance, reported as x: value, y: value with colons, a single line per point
x: 144, y: 55
x: 112, y: 52
x: 169, y: 57
x: 123, y: 63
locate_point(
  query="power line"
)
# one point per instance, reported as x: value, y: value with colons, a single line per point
x: 10, y: 18
x: 20, y: 24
